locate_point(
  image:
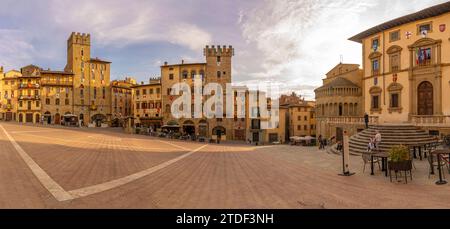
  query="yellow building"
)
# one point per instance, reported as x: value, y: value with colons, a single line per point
x: 302, y: 120
x: 91, y: 81
x: 407, y: 69
x: 121, y: 100
x: 8, y: 95
x: 340, y: 102
x: 147, y: 104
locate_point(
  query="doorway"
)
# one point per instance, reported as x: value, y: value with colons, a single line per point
x: 425, y: 98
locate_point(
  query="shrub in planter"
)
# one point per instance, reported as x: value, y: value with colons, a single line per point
x: 399, y: 158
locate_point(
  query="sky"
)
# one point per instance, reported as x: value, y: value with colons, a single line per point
x: 291, y: 42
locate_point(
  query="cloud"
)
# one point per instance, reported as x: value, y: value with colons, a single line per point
x: 121, y: 23
x: 15, y: 49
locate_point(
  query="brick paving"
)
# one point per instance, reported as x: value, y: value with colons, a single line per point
x: 216, y: 176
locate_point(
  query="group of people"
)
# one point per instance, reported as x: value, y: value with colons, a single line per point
x: 374, y: 142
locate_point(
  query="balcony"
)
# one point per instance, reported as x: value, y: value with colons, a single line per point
x: 373, y: 120
x: 29, y: 86
x: 8, y: 106
x: 431, y: 120
x: 46, y: 82
x: 29, y: 97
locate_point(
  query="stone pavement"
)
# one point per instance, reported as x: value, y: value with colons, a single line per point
x: 46, y: 167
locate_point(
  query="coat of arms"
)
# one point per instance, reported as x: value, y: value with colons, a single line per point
x: 442, y: 28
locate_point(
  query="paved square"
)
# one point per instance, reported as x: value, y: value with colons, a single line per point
x: 50, y: 167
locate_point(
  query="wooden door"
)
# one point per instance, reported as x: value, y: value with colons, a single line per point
x: 425, y: 99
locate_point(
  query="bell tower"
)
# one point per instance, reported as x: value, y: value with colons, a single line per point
x: 218, y: 64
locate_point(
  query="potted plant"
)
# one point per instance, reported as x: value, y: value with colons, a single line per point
x: 400, y: 160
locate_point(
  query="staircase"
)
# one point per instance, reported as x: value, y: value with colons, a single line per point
x: 391, y: 135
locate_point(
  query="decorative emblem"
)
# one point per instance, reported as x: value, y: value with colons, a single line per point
x: 408, y: 35
x: 424, y: 33
x: 375, y: 81
x: 442, y: 28
x: 394, y: 78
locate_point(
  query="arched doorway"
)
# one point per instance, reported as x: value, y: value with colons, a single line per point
x: 219, y: 131
x: 425, y: 98
x: 57, y: 119
x: 20, y: 117
x: 98, y: 119
x: 48, y: 117
x: 189, y: 127
x: 202, y: 128
x: 37, y: 118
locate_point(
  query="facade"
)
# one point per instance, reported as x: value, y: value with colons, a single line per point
x: 302, y: 119
x: 216, y: 69
x: 340, y: 102
x: 147, y: 104
x: 407, y: 69
x: 82, y: 91
x: 121, y: 99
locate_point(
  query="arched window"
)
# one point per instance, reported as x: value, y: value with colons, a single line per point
x: 395, y: 92
x: 193, y: 73
x: 185, y: 74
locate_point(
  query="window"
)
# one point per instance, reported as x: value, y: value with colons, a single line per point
x: 151, y: 91
x: 423, y: 56
x: 95, y: 93
x: 299, y: 118
x: 67, y: 102
x: 29, y: 105
x: 218, y: 59
x: 137, y: 92
x: 82, y: 102
x: 169, y: 90
x: 375, y: 102
x: 394, y: 100
x: 137, y: 106
x: 38, y: 104
x: 144, y: 91
x: 193, y: 73
x: 375, y: 67
x: 424, y: 27
x: 375, y: 44
x: 47, y: 101
x: 395, y: 62
x: 299, y: 127
x: 56, y: 101
x: 218, y: 74
x: 394, y: 36
x: 306, y: 118
x: 170, y: 76
x: 81, y: 93
x: 185, y: 74
x: 20, y: 103
x: 305, y: 127
x: 158, y: 91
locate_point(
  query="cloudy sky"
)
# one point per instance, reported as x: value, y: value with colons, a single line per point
x: 293, y: 42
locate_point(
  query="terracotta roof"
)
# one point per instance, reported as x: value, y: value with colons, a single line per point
x: 143, y: 85
x: 99, y: 60
x: 423, y: 14
x: 339, y: 82
x: 56, y: 72
x: 174, y: 65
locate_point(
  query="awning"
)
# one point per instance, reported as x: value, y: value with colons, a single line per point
x: 171, y: 126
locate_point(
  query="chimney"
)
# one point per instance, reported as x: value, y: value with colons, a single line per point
x: 182, y: 61
x: 165, y: 63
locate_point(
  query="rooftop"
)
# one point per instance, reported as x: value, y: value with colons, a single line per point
x: 423, y: 14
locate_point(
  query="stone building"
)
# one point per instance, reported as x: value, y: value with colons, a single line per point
x: 121, y: 100
x: 147, y: 104
x: 339, y: 102
x: 406, y: 69
x: 8, y: 94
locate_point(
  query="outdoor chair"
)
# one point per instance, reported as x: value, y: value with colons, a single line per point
x: 398, y: 167
x: 411, y: 156
x: 433, y: 162
x: 367, y: 160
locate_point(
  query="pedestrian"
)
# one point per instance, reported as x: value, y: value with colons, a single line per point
x: 366, y: 120
x: 377, y: 139
x: 320, y: 142
x: 371, y: 145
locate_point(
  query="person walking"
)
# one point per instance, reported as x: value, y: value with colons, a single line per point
x: 320, y: 142
x: 366, y: 120
x: 377, y: 139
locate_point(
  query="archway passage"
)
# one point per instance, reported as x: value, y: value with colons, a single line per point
x: 425, y: 98
x: 202, y: 128
x: 189, y: 127
x: 37, y: 118
x: 57, y: 119
x: 98, y: 119
x: 48, y: 117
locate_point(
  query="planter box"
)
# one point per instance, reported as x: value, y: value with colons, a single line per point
x: 400, y: 166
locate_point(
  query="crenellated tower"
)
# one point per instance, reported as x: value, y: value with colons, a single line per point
x: 218, y: 64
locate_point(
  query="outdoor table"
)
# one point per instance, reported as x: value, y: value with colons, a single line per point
x: 419, y: 146
x: 384, y: 156
x: 438, y: 153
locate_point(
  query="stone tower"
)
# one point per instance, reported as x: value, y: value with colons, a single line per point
x: 78, y: 61
x: 218, y: 64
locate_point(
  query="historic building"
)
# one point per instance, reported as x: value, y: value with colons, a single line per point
x: 407, y: 69
x: 216, y: 69
x: 302, y: 119
x: 121, y: 100
x: 147, y: 104
x: 81, y: 91
x: 340, y: 102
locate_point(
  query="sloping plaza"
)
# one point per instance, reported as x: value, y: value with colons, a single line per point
x: 58, y: 167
